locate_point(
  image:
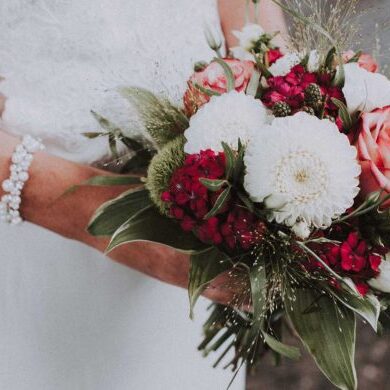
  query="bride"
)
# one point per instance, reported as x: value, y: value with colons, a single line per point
x: 70, y: 319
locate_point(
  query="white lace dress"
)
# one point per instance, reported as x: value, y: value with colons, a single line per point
x: 69, y: 318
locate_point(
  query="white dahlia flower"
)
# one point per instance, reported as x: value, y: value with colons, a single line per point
x: 308, y: 164
x: 382, y: 281
x: 365, y: 91
x: 247, y: 37
x: 225, y: 118
x: 284, y: 64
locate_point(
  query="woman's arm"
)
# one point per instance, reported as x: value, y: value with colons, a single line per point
x: 43, y: 204
x: 270, y: 17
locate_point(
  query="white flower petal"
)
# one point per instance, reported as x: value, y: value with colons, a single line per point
x: 365, y: 91
x: 308, y: 161
x: 225, y: 118
x: 284, y: 64
x: 249, y: 35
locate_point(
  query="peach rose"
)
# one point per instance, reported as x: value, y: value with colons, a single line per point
x: 365, y: 61
x: 374, y: 151
x: 213, y: 78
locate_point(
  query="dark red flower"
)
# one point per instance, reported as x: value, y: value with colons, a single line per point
x: 291, y: 90
x: 190, y: 201
x: 273, y: 55
x: 352, y: 258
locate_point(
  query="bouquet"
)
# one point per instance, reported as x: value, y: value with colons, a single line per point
x: 276, y: 173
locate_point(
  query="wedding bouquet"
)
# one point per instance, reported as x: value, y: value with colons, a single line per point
x: 275, y: 173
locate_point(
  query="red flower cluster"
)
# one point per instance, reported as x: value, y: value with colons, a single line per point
x: 190, y: 201
x: 273, y: 55
x: 352, y: 259
x: 290, y: 89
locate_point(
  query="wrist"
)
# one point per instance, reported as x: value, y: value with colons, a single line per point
x: 8, y: 144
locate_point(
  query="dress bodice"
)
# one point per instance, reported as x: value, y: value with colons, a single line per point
x: 62, y: 58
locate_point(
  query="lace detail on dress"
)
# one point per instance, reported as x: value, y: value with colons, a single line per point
x: 62, y: 58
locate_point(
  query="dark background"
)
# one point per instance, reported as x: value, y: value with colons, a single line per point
x: 373, y: 352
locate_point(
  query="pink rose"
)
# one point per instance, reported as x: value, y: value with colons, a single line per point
x: 374, y: 151
x: 213, y: 78
x: 365, y: 61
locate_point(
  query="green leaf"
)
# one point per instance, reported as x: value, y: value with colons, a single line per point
x: 205, y: 266
x: 264, y: 70
x: 92, y: 135
x: 104, y: 122
x: 367, y: 307
x: 219, y: 203
x: 239, y: 166
x: 139, y: 162
x: 112, y: 143
x: 213, y: 185
x: 344, y: 114
x: 328, y: 334
x: 228, y: 73
x: 329, y: 60
x: 282, y: 349
x: 112, y: 181
x: 206, y: 91
x: 106, y: 181
x: 339, y: 79
x: 113, y: 214
x: 230, y: 159
x: 149, y: 225
x: 253, y: 85
x: 162, y: 120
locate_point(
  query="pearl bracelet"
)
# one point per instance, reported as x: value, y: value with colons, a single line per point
x: 21, y: 160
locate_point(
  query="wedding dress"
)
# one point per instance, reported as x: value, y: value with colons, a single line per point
x: 70, y: 318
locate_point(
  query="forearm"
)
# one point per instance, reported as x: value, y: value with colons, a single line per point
x: 270, y: 17
x: 44, y: 204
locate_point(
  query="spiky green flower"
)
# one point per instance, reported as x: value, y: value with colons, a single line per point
x: 170, y: 158
x: 313, y: 96
x: 281, y: 109
x: 162, y: 120
x: 308, y: 110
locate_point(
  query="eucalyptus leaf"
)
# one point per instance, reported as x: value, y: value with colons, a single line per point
x: 205, y: 266
x: 149, y: 225
x: 113, y: 214
x: 219, y: 203
x: 228, y: 73
x: 329, y: 334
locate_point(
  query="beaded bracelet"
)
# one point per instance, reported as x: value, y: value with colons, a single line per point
x: 21, y: 160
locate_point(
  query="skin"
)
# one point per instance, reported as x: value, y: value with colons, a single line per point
x: 45, y: 205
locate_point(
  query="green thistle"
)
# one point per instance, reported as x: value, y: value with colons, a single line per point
x: 313, y: 96
x: 309, y: 110
x: 281, y: 109
x: 170, y: 158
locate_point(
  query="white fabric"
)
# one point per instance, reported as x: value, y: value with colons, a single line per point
x: 69, y: 318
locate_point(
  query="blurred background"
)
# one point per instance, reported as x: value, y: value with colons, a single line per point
x: 373, y: 352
